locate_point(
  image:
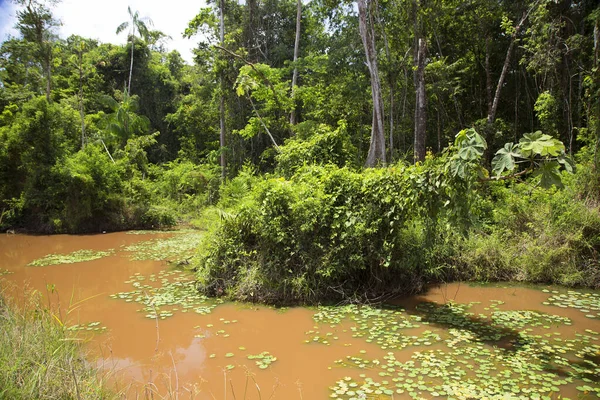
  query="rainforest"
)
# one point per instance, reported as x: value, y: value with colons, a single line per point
x: 402, y: 196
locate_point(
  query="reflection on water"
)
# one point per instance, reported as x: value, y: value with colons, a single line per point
x: 208, y: 355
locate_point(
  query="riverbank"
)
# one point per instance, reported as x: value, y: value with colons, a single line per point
x: 145, y: 326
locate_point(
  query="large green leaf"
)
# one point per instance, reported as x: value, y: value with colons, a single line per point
x: 566, y: 162
x: 504, y: 160
x: 539, y: 143
x: 471, y: 144
x: 458, y: 167
x: 550, y: 175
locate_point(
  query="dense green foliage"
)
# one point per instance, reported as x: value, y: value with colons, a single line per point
x: 37, y: 359
x: 100, y: 137
x: 326, y: 232
x: 534, y: 235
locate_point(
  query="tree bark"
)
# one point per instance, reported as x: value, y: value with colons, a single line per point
x: 488, y: 76
x: 596, y: 42
x: 376, y: 153
x: 222, y: 99
x: 131, y: 63
x: 420, y: 102
x: 293, y: 116
x: 391, y: 76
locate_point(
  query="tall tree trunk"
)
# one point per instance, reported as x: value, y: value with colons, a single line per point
x: 81, y: 112
x: 131, y: 63
x: 596, y: 42
x: 377, y: 146
x: 222, y: 99
x: 391, y: 76
x: 488, y: 76
x: 49, y: 78
x: 420, y: 102
x: 296, y: 52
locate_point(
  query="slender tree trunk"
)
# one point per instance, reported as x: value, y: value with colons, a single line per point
x: 420, y: 102
x: 439, y: 130
x: 488, y: 76
x: 131, y: 63
x: 296, y: 53
x: 377, y: 146
x: 596, y: 43
x: 81, y: 113
x: 222, y: 99
x: 391, y: 76
x: 492, y: 112
x: 391, y: 123
x: 49, y: 79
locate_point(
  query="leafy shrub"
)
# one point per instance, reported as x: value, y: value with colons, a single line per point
x: 329, y: 233
x: 318, y: 145
x: 91, y: 189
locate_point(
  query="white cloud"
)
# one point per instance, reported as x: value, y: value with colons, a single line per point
x: 99, y: 19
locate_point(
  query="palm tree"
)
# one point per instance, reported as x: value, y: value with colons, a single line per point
x: 138, y: 24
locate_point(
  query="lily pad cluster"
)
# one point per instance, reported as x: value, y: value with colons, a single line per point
x: 263, y: 360
x: 375, y: 325
x: 148, y: 232
x: 70, y: 258
x: 168, y: 292
x: 501, y: 354
x: 587, y: 303
x: 522, y: 318
x: 177, y: 248
x: 92, y: 326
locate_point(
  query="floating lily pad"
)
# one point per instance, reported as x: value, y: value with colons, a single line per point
x: 263, y: 360
x: 71, y: 258
x: 178, y: 248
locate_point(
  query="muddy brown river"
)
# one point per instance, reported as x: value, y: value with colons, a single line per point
x: 456, y: 341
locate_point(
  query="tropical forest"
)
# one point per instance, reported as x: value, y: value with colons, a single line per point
x: 371, y: 199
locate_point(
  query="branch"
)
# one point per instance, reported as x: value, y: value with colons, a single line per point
x: 263, y: 123
x: 264, y: 78
x: 506, y: 177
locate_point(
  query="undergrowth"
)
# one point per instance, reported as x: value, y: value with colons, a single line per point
x: 38, y: 360
x: 535, y: 235
x: 327, y: 233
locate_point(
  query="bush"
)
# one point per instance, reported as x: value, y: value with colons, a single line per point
x: 329, y: 233
x: 90, y: 192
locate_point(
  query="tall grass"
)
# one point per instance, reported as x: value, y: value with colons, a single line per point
x: 38, y: 360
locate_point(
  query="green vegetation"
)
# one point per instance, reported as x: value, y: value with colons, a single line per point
x: 340, y: 168
x: 74, y: 257
x: 38, y: 359
x: 263, y: 360
x: 474, y: 355
x: 166, y: 293
x: 178, y: 248
x: 325, y: 232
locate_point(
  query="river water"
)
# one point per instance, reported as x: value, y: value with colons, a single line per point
x: 455, y: 340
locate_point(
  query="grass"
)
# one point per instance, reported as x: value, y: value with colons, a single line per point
x: 38, y: 359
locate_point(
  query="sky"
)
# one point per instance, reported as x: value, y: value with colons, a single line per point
x: 98, y: 19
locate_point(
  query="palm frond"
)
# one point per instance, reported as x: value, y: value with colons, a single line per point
x: 122, y: 27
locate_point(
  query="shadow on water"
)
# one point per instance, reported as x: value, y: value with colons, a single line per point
x: 511, y: 341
